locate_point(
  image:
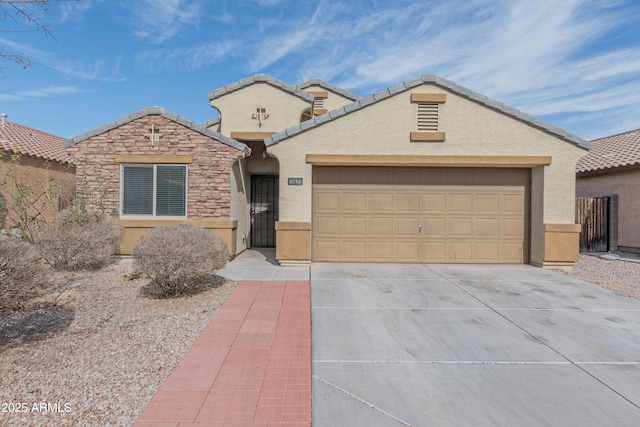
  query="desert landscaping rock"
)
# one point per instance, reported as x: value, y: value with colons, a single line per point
x: 97, y: 350
x: 617, y: 275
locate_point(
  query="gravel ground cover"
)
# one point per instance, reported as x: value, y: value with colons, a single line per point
x: 618, y: 275
x: 100, y: 347
x: 97, y: 350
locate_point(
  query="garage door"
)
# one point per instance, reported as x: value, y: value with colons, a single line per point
x: 394, y: 214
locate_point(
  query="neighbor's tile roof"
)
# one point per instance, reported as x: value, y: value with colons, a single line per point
x: 21, y: 139
x: 158, y: 111
x: 438, y: 81
x: 329, y: 86
x: 260, y: 78
x: 612, y: 152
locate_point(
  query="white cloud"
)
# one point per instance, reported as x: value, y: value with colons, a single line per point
x: 160, y: 20
x: 543, y: 57
x: 191, y: 59
x: 267, y: 3
x: 50, y: 91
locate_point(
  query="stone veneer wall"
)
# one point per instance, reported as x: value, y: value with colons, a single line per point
x: 98, y: 174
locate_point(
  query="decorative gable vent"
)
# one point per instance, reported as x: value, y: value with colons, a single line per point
x: 427, y: 117
x: 318, y: 103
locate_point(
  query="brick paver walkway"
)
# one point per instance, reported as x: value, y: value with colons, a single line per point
x: 251, y: 366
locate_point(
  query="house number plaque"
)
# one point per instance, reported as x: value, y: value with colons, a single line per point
x: 294, y: 181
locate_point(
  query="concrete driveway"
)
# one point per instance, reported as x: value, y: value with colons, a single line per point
x: 469, y: 345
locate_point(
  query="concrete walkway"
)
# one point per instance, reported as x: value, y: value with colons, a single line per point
x: 251, y: 366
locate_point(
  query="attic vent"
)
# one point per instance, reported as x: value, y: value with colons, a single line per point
x: 318, y: 103
x: 427, y: 117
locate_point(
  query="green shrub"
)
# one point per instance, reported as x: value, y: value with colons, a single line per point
x: 83, y: 240
x: 177, y: 257
x: 21, y: 276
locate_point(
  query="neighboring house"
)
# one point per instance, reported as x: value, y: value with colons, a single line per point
x: 612, y: 168
x: 425, y: 171
x: 31, y: 157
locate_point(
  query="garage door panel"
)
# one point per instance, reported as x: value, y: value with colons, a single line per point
x: 379, y: 176
x: 487, y: 251
x: 352, y: 202
x: 407, y: 227
x: 406, y: 251
x: 327, y: 225
x: 513, y: 203
x: 512, y: 251
x: 380, y: 227
x: 512, y: 228
x: 467, y: 215
x: 406, y: 176
x: 380, y: 202
x: 380, y: 251
x: 434, y: 227
x: 435, y: 251
x: 487, y: 227
x: 354, y: 250
x: 460, y: 251
x: 326, y: 250
x: 327, y: 202
x: 435, y: 176
x: 407, y: 203
x: 460, y: 203
x: 352, y: 175
x: 460, y: 227
x: 354, y: 226
x: 488, y: 203
x: 434, y: 203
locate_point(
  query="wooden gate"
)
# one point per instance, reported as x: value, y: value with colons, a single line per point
x: 592, y: 213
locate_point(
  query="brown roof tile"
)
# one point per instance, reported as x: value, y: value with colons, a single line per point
x: 621, y: 150
x: 21, y: 139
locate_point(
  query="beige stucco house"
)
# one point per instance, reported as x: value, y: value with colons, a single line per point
x: 612, y: 169
x: 425, y: 171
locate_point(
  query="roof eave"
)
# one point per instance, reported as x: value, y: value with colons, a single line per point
x: 260, y: 78
x: 445, y: 84
x: 157, y: 111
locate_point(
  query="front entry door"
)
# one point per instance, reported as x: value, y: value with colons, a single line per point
x: 264, y: 210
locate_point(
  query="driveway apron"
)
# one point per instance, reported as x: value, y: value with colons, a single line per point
x: 468, y: 345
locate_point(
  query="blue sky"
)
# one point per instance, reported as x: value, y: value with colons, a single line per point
x: 574, y: 63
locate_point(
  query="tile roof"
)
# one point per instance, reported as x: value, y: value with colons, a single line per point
x: 612, y: 152
x: 438, y: 81
x: 158, y: 111
x: 260, y: 78
x: 212, y: 122
x: 329, y: 86
x: 21, y: 139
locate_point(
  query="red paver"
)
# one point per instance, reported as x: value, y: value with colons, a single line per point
x: 251, y: 366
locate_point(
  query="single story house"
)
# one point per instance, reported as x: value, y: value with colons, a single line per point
x: 35, y: 158
x: 424, y: 171
x: 612, y: 169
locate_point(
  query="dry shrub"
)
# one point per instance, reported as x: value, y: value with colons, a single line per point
x: 177, y: 257
x: 21, y: 276
x: 83, y: 240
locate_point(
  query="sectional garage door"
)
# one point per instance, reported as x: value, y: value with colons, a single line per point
x: 404, y: 214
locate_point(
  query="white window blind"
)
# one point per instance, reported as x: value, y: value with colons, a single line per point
x: 170, y: 190
x: 154, y: 190
x: 427, y: 117
x: 138, y: 190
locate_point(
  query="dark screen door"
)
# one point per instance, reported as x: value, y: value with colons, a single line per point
x: 264, y: 210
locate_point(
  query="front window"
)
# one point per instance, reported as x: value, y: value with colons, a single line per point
x: 154, y: 190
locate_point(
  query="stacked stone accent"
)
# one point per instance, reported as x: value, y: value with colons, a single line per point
x: 208, y: 179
